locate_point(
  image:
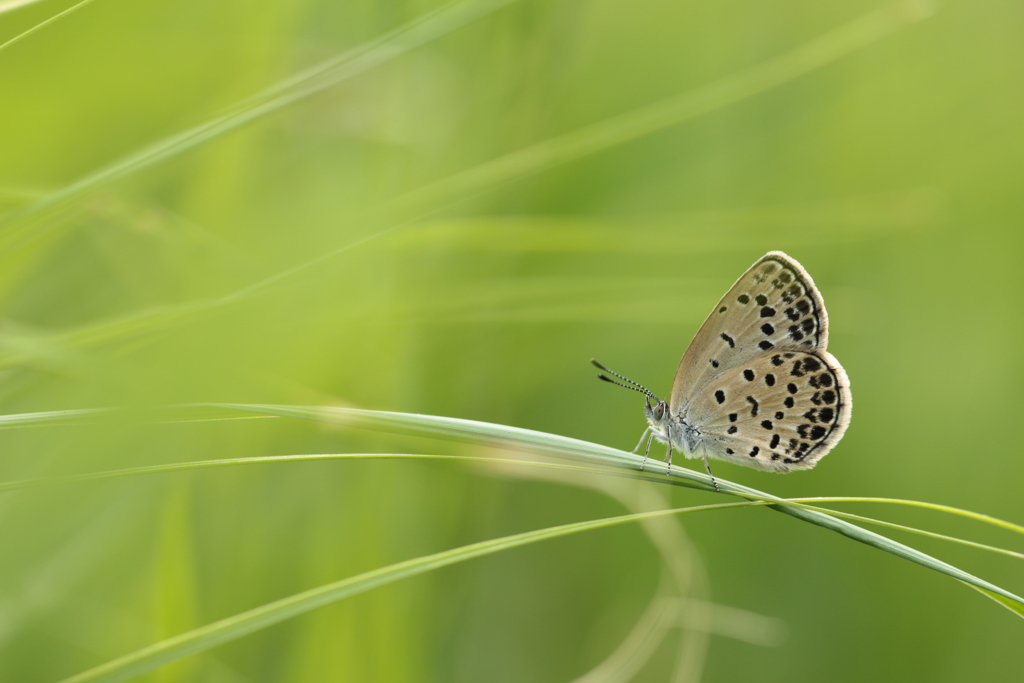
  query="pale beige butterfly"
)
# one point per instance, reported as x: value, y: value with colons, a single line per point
x: 756, y: 386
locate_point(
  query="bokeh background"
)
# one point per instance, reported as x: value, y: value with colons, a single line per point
x: 373, y: 244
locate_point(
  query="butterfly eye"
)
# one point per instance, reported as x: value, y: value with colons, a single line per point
x: 659, y: 411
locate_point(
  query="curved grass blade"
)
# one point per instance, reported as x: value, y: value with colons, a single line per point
x: 265, y: 460
x: 33, y: 419
x: 48, y: 418
x: 561, y: 446
x: 909, y: 529
x: 587, y: 140
x: 211, y: 635
x: 636, y: 650
x: 18, y: 230
x: 8, y: 5
x: 994, y: 521
x: 617, y: 130
x: 1014, y: 607
x: 42, y: 24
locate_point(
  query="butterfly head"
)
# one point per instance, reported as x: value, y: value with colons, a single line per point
x: 657, y: 415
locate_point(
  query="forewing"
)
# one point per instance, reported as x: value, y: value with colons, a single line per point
x: 773, y: 307
x: 780, y: 411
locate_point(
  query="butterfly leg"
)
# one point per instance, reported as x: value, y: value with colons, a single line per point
x: 668, y: 460
x: 707, y: 466
x: 644, y: 436
x: 646, y: 452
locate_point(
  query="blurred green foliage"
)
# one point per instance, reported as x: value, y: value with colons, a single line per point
x: 350, y: 248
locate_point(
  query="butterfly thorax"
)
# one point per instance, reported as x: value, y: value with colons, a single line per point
x: 672, y: 430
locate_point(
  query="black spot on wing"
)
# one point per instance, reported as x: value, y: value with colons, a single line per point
x: 732, y: 417
x: 767, y: 328
x: 766, y: 312
x: 782, y: 280
x: 723, y: 309
x: 775, y: 442
x: 754, y: 451
x: 748, y: 375
x: 767, y: 424
x: 720, y: 396
x: 794, y: 292
x: 766, y: 345
x: 761, y: 300
x: 732, y: 430
x: 729, y: 340
x: 743, y: 299
x: 714, y: 363
x: 769, y: 379
x: 753, y: 402
x: 788, y: 402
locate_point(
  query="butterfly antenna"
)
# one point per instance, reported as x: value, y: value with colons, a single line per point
x: 636, y: 386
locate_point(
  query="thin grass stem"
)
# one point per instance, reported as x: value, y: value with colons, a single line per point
x: 211, y: 635
x: 44, y: 24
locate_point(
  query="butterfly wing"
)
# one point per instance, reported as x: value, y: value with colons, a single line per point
x: 773, y: 307
x: 779, y: 411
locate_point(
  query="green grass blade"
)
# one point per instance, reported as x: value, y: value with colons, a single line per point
x: 591, y: 139
x: 1014, y: 607
x: 909, y: 529
x: 978, y: 517
x: 44, y: 418
x: 270, y: 459
x: 553, y: 444
x: 211, y: 635
x: 21, y: 227
x: 635, y: 124
x: 41, y: 25
x: 47, y: 418
x: 8, y: 5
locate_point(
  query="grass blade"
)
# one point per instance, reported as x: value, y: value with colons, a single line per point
x: 617, y: 130
x: 33, y: 419
x: 19, y: 229
x: 908, y: 529
x: 41, y: 25
x: 978, y: 517
x: 8, y: 5
x: 1014, y: 607
x: 585, y: 141
x: 561, y: 446
x: 266, y: 460
x: 47, y: 418
x: 211, y: 635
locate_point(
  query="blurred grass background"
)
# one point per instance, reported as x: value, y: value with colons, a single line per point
x: 891, y: 173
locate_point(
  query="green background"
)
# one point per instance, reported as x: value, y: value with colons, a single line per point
x: 893, y: 173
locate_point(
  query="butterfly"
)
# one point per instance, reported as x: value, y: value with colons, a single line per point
x: 756, y: 386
